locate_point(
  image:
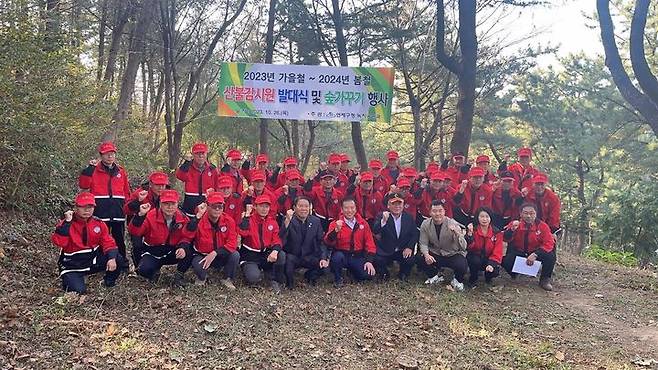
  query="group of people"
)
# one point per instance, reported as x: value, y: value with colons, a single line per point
x: 261, y: 221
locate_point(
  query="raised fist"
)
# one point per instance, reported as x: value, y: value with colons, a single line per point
x: 144, y: 209
x: 339, y: 225
x: 93, y: 162
x: 515, y: 225
x: 285, y: 189
x: 456, y: 229
x: 280, y: 165
x: 507, y: 157
x: 357, y: 179
x: 524, y: 192
x: 142, y: 195
x: 201, y: 209
x: 323, y: 166
x: 289, y: 214
x: 210, y: 190
x: 250, y: 190
x: 248, y: 209
x: 385, y: 216
x: 393, y: 189
x: 470, y: 229
x: 423, y: 183
x: 462, y: 186
x: 188, y: 157
x: 68, y: 216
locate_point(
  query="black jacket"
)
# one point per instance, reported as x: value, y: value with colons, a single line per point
x: 312, y: 244
x: 389, y: 242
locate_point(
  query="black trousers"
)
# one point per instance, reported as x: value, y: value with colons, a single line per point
x: 224, y: 259
x: 382, y: 263
x: 312, y: 264
x: 154, y: 258
x: 547, y: 261
x: 477, y: 263
x: 253, y: 262
x: 456, y: 263
x: 118, y: 231
x: 75, y: 281
x: 138, y: 248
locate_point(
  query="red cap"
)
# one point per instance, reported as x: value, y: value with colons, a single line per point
x: 262, y: 158
x: 392, y: 154
x: 437, y: 176
x: 458, y: 154
x: 290, y: 161
x: 375, y: 164
x: 257, y: 176
x: 234, y: 154
x: 344, y: 157
x: 215, y: 198
x: 85, y: 199
x: 107, y: 147
x: 403, y: 183
x: 540, y: 178
x: 525, y: 152
x: 199, y: 148
x: 224, y: 182
x: 433, y: 166
x: 262, y: 199
x: 475, y: 172
x: 159, y: 178
x: 294, y: 175
x: 482, y: 158
x: 409, y: 172
x: 168, y: 196
x: 367, y: 176
x: 334, y: 158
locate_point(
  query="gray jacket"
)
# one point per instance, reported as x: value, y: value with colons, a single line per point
x: 449, y: 244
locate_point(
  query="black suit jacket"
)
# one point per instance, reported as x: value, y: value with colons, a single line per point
x: 309, y: 246
x: 389, y: 242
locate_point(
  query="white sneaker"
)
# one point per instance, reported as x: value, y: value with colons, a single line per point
x: 435, y: 280
x: 457, y: 285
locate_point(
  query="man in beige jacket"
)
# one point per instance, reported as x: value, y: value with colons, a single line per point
x: 442, y: 244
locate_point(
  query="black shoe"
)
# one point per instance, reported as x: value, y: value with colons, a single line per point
x: 514, y: 275
x: 545, y: 283
x: 338, y: 283
x: 276, y: 287
x: 179, y: 280
x: 109, y: 283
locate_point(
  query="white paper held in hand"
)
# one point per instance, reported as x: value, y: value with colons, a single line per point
x: 520, y: 267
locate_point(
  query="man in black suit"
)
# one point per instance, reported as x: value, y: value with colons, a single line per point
x: 302, y: 238
x: 397, y: 237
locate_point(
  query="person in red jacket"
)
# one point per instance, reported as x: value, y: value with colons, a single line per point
x: 256, y: 189
x: 411, y: 200
x: 352, y: 243
x: 506, y: 200
x: 333, y: 167
x: 86, y: 247
x: 109, y: 183
x: 522, y: 170
x: 198, y: 175
x: 380, y: 183
x: 439, y: 189
x: 158, y: 181
x: 261, y: 244
x: 260, y: 164
x: 233, y: 206
x: 345, y: 166
x: 530, y: 238
x: 233, y: 169
x: 393, y: 169
x: 472, y: 194
x: 285, y: 196
x: 547, y: 202
x: 325, y: 198
x: 165, y: 237
x: 485, y: 247
x: 278, y: 178
x: 214, y: 241
x: 458, y: 172
x: 369, y: 202
x: 484, y: 163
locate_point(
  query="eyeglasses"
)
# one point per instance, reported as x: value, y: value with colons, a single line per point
x: 216, y: 206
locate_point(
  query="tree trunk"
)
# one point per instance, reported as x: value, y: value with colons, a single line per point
x: 309, y: 147
x: 643, y: 74
x: 52, y: 35
x: 101, y: 40
x: 341, y: 45
x: 122, y: 16
x: 295, y: 138
x: 135, y: 56
x: 632, y: 95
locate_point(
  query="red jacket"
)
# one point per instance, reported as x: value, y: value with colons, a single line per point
x: 456, y: 175
x: 390, y: 178
x: 246, y: 199
x: 530, y: 238
x: 523, y: 176
x: 359, y: 240
x: 208, y: 237
x: 507, y: 206
x: 489, y: 245
x: 381, y: 184
x: 411, y: 203
x: 285, y: 202
x: 236, y: 176
x: 251, y: 229
x: 131, y: 207
x: 445, y: 196
x: 110, y: 188
x: 197, y: 182
x: 368, y: 204
x: 472, y: 199
x: 233, y: 206
x: 153, y: 228
x: 548, y: 207
x: 323, y: 207
x: 69, y: 236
